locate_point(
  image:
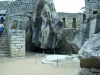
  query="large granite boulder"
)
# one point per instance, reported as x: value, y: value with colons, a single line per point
x: 46, y: 25
x: 89, y: 54
x: 39, y: 19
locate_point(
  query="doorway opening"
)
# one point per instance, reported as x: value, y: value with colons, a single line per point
x: 84, y: 17
x: 63, y: 19
x: 74, y: 23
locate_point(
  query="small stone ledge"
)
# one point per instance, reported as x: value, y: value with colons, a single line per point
x: 89, y: 71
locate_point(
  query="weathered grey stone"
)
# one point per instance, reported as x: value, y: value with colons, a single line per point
x: 67, y: 19
x: 95, y: 70
x: 16, y: 42
x: 14, y: 52
x: 98, y: 74
x: 91, y: 73
x: 39, y: 19
x: 16, y: 49
x: 21, y: 55
x: 86, y: 30
x: 13, y: 56
x: 89, y: 54
x: 87, y: 70
x: 22, y: 49
x: 83, y: 72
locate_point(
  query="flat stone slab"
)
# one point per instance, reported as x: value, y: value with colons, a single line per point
x: 52, y: 59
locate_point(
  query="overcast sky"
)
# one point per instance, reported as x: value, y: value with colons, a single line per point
x: 68, y: 5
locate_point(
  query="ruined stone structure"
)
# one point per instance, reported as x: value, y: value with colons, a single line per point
x: 40, y: 21
x: 72, y: 20
x: 89, y: 54
x: 92, y: 7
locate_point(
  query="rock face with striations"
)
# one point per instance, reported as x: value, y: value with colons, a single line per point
x: 39, y: 19
x: 89, y: 54
x: 90, y: 27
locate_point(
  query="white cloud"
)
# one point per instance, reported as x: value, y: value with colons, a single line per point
x: 69, y: 5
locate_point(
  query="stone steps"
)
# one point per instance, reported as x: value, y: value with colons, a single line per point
x: 4, y: 52
x: 5, y: 49
x: 4, y: 45
x: 4, y: 55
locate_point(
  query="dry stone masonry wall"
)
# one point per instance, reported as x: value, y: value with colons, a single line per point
x: 20, y: 7
x: 42, y: 23
x: 92, y: 7
x: 17, y: 43
x: 70, y: 18
x: 89, y: 71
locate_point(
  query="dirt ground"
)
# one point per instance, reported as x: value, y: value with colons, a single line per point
x: 31, y: 65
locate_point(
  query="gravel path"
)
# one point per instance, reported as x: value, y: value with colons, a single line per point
x: 31, y: 65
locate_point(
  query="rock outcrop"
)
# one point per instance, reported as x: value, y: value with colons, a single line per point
x: 90, y: 27
x: 89, y: 54
x: 39, y: 19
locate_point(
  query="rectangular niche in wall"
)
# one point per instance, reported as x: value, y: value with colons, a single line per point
x: 63, y: 19
x: 74, y: 23
x: 95, y: 12
x: 84, y: 17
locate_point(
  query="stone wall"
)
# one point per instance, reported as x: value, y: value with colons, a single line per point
x: 17, y: 43
x: 20, y: 7
x: 89, y: 71
x: 92, y: 7
x: 69, y: 19
x: 4, y: 5
x: 69, y: 35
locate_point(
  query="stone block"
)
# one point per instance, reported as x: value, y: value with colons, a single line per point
x: 16, y: 49
x: 13, y: 39
x: 22, y: 49
x: 83, y: 72
x: 19, y: 47
x: 23, y: 52
x: 21, y: 31
x: 10, y: 37
x: 13, y: 47
x: 23, y: 39
x: 16, y: 42
x: 14, y: 52
x: 98, y: 74
x: 13, y: 56
x: 17, y: 39
x: 91, y: 73
x: 95, y: 73
x: 22, y: 44
x: 87, y: 70
x: 17, y: 34
x: 95, y: 70
x: 21, y: 55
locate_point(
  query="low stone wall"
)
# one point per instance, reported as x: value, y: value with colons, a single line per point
x: 17, y: 43
x: 89, y: 71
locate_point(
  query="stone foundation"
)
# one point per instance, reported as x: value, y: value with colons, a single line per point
x: 17, y: 43
x: 89, y: 71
